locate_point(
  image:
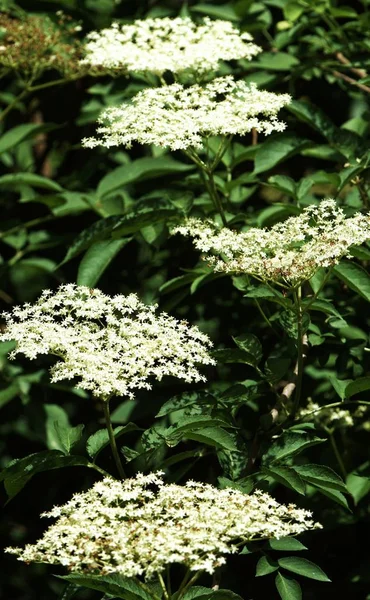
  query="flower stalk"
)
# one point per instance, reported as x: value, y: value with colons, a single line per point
x: 297, y: 295
x: 112, y: 440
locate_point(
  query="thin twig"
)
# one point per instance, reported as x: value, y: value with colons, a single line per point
x: 344, y: 60
x: 352, y: 81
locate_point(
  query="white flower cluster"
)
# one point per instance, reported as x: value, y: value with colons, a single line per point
x: 334, y: 418
x: 113, y: 344
x: 141, y: 525
x: 289, y: 252
x: 177, y: 117
x: 159, y: 45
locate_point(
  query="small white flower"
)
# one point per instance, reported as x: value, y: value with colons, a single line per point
x: 141, y: 525
x: 335, y: 417
x: 113, y: 345
x: 289, y: 252
x: 179, y: 118
x: 159, y: 45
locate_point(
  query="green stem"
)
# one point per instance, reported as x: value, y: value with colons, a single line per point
x: 147, y: 590
x: 112, y: 440
x: 316, y: 294
x: 300, y: 345
x: 48, y: 84
x: 212, y: 190
x: 29, y: 89
x: 27, y: 225
x: 184, y: 582
x: 221, y: 151
x: 334, y: 405
x: 338, y: 457
x: 183, y: 589
x: 208, y: 180
x: 98, y: 469
x: 17, y: 99
x: 263, y: 315
x: 163, y: 586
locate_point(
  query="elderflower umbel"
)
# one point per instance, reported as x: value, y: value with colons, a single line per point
x: 112, y: 344
x: 289, y: 252
x: 159, y: 45
x: 177, y: 117
x: 139, y: 526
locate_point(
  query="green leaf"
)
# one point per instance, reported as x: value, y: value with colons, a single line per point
x: 190, y: 424
x: 346, y: 12
x: 233, y: 355
x: 117, y: 226
x: 184, y: 401
x: 331, y: 493
x: 68, y: 436
x: 276, y: 213
x: 203, y: 593
x: 287, y: 476
x: 55, y: 414
x: 276, y: 61
x: 97, y: 259
x: 288, y: 321
x: 362, y: 384
x: 286, y: 544
x: 100, y: 439
x: 97, y: 231
x: 315, y: 117
x: 263, y: 291
x: 340, y: 386
x: 214, y: 436
x: 277, y: 148
x: 19, y: 472
x: 323, y: 152
x: 324, y: 306
x: 304, y: 567
x: 176, y: 283
x: 113, y: 584
x: 19, y: 134
x: 276, y: 367
x: 322, y: 475
x: 69, y: 592
x: 225, y: 11
x: 265, y: 566
x: 289, y: 589
x: 289, y: 444
x: 31, y: 179
x: 245, y: 484
x: 141, y: 218
x: 292, y: 11
x: 139, y: 170
x: 181, y: 456
x: 348, y: 143
x: 283, y: 183
x: 358, y: 487
x: 355, y: 277
x: 250, y: 343
x: 360, y: 252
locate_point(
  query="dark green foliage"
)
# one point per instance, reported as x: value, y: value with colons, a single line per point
x: 103, y: 218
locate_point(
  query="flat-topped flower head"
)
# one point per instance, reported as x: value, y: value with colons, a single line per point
x: 289, y: 252
x: 112, y: 345
x: 179, y: 118
x: 176, y: 45
x: 139, y: 526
